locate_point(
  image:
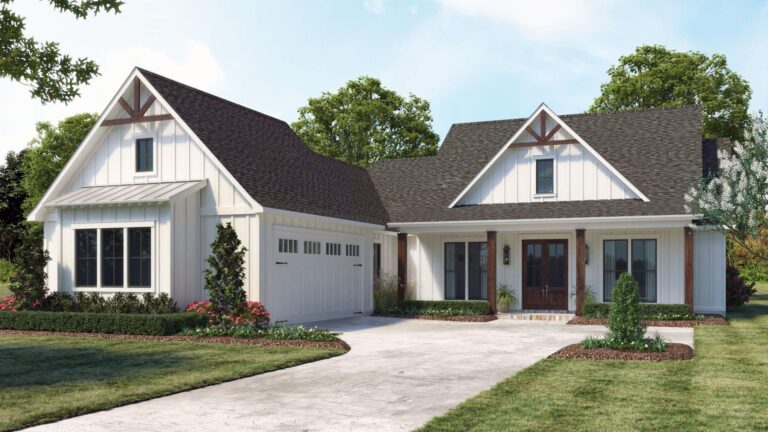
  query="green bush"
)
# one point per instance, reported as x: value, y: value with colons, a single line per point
x: 443, y: 307
x: 6, y: 270
x: 225, y: 274
x: 625, y: 328
x: 60, y: 302
x: 84, y: 322
x: 124, y: 303
x: 277, y: 332
x: 648, y: 311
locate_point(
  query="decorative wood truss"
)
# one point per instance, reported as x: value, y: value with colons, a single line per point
x: 136, y: 112
x: 542, y: 137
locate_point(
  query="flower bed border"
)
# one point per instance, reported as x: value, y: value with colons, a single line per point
x: 674, y: 352
x: 338, y: 343
x: 716, y: 320
x: 457, y: 318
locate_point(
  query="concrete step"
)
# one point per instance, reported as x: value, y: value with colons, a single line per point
x: 536, y: 316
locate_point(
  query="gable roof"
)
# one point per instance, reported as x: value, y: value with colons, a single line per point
x: 269, y: 160
x: 657, y: 150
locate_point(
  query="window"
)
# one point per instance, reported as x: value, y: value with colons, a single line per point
x: 377, y: 260
x: 466, y: 271
x: 545, y: 176
x: 641, y: 264
x: 144, y: 155
x: 112, y: 257
x: 353, y: 250
x: 139, y: 257
x: 288, y: 246
x: 333, y: 248
x: 85, y: 258
x: 311, y: 247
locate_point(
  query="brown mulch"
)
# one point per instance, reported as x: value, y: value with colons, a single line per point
x: 338, y: 343
x: 717, y: 320
x: 675, y: 351
x: 460, y: 318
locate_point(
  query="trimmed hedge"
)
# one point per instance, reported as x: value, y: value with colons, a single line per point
x: 85, y: 322
x: 445, y: 307
x: 648, y: 311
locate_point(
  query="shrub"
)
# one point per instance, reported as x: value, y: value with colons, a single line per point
x: 159, y: 304
x: 225, y: 275
x: 60, y: 302
x: 443, y: 307
x: 6, y: 270
x: 28, y: 280
x: 79, y: 322
x: 753, y: 272
x: 252, y: 314
x: 648, y: 311
x: 737, y: 290
x: 384, y: 293
x: 625, y: 328
x: 278, y: 332
x: 91, y: 302
x: 7, y: 304
x: 126, y: 303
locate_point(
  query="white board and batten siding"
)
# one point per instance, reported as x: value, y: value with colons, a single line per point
x: 709, y: 271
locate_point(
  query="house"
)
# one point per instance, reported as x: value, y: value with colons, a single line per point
x: 555, y: 207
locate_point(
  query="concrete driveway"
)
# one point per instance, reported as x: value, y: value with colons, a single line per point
x: 398, y: 375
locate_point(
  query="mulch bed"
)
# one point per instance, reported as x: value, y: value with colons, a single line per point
x: 675, y: 351
x: 708, y: 320
x: 338, y: 343
x: 461, y: 318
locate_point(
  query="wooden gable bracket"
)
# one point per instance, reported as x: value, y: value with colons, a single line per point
x: 136, y: 112
x: 542, y: 137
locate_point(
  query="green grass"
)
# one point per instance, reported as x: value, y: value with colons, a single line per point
x: 4, y: 290
x: 725, y: 387
x: 43, y: 379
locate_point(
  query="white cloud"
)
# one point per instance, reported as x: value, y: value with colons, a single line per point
x: 374, y: 6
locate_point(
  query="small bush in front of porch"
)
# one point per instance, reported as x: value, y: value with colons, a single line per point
x: 443, y: 308
x: 648, y: 311
x: 252, y: 314
x: 86, y: 322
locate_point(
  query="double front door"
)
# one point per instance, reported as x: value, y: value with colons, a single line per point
x: 545, y: 274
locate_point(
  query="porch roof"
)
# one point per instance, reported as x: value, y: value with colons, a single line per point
x: 147, y: 193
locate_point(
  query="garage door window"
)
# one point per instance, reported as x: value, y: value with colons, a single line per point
x: 288, y: 246
x: 353, y: 250
x: 311, y: 247
x: 333, y: 248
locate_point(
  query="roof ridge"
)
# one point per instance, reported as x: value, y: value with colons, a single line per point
x: 207, y: 94
x: 584, y: 114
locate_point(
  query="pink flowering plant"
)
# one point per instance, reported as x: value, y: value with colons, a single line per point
x: 7, y: 304
x: 252, y: 314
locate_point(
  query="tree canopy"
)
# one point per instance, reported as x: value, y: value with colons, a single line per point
x: 12, y: 195
x: 49, y: 152
x: 51, y: 75
x: 364, y: 122
x: 654, y: 76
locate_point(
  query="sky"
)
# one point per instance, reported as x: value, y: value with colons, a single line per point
x: 473, y: 60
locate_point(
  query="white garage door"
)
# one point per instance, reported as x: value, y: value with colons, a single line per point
x: 315, y: 275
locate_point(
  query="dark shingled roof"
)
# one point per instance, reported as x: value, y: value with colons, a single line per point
x: 657, y: 150
x: 270, y: 161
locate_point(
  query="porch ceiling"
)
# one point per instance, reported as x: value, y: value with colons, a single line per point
x: 148, y: 193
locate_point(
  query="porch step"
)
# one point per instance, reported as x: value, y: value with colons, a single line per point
x: 536, y: 316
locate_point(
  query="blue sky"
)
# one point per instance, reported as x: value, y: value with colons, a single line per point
x: 473, y: 60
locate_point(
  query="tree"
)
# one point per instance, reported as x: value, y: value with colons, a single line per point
x: 625, y: 327
x: 364, y: 122
x: 51, y: 75
x: 654, y: 76
x: 12, y: 195
x: 225, y: 275
x: 736, y: 199
x: 29, y: 279
x: 49, y: 152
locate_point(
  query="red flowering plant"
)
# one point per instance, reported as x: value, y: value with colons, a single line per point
x: 7, y: 304
x: 250, y: 314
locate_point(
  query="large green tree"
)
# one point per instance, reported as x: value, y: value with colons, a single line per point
x: 12, y: 195
x: 49, y: 152
x: 654, y: 76
x: 364, y: 122
x: 51, y: 75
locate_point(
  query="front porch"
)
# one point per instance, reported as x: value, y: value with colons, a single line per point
x: 550, y: 267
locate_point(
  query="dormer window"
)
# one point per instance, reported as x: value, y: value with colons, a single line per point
x: 144, y: 155
x: 545, y: 176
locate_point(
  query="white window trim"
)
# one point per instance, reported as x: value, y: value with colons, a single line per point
x: 155, y: 161
x: 536, y: 159
x: 125, y: 226
x: 628, y: 237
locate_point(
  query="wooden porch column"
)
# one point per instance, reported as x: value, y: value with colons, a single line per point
x: 402, y: 265
x: 581, y: 262
x: 491, y: 270
x: 689, y: 267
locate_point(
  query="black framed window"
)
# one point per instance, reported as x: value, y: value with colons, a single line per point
x: 139, y: 257
x: 112, y: 257
x: 144, y: 155
x: 545, y: 176
x: 644, y: 268
x: 454, y: 271
x: 376, y: 260
x: 478, y: 270
x: 85, y: 258
x: 615, y: 262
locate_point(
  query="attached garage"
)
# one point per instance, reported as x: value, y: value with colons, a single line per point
x: 315, y: 275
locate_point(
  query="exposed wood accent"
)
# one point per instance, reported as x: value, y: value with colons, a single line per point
x: 543, y: 118
x: 127, y: 107
x: 542, y: 143
x: 122, y: 121
x: 402, y: 264
x: 688, y: 267
x: 581, y: 261
x: 533, y: 133
x: 552, y: 132
x: 491, y: 270
x: 145, y: 107
x: 136, y: 94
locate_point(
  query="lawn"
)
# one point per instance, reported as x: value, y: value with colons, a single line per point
x: 43, y: 379
x: 725, y: 387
